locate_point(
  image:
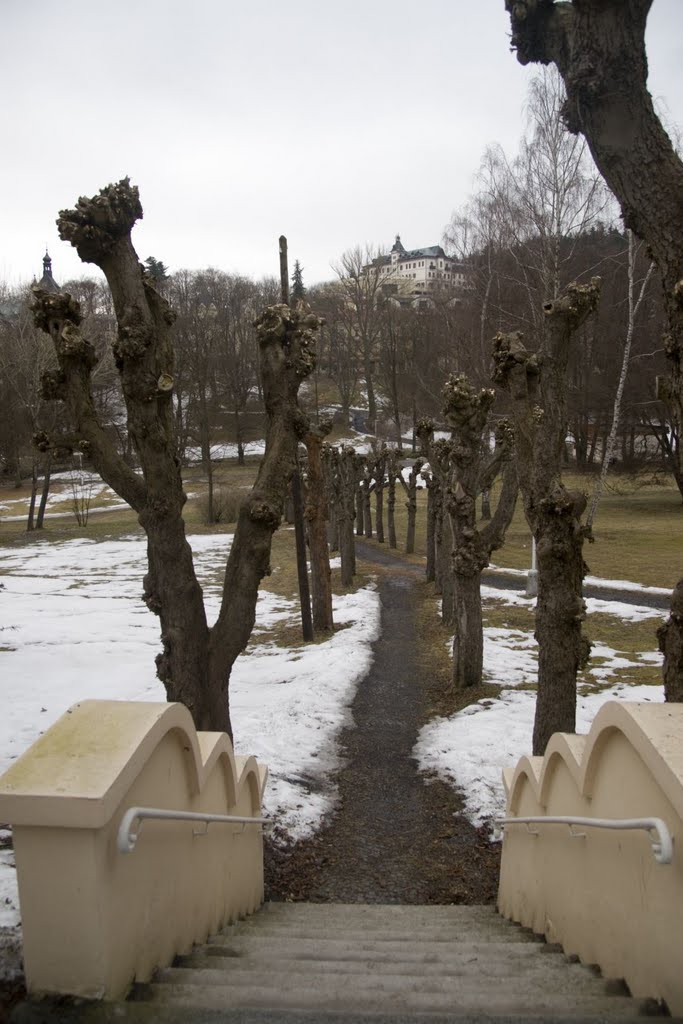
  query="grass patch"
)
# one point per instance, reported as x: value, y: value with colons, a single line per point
x: 627, y: 639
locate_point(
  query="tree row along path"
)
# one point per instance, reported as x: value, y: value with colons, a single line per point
x: 395, y: 836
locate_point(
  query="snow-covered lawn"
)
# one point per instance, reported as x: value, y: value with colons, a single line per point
x: 73, y: 626
x: 471, y: 748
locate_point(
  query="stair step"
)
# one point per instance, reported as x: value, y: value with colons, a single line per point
x: 560, y: 979
x: 483, y: 967
x: 286, y: 948
x: 471, y: 998
x: 381, y: 933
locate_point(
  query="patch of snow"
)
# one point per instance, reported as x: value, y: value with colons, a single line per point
x: 74, y: 627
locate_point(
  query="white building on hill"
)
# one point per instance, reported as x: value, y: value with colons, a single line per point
x: 411, y: 273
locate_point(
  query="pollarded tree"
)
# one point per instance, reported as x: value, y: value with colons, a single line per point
x: 537, y: 385
x: 197, y: 659
x: 474, y: 468
x: 598, y: 47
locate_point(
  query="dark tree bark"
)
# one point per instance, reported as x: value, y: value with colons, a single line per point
x: 438, y: 455
x: 430, y: 571
x: 379, y: 472
x: 360, y: 508
x: 366, y: 487
x: 410, y: 488
x: 301, y: 560
x: 392, y: 475
x: 196, y: 661
x: 670, y: 637
x: 348, y: 487
x: 537, y: 385
x: 316, y: 520
x: 30, y: 521
x: 47, y: 472
x: 599, y: 49
x: 474, y: 468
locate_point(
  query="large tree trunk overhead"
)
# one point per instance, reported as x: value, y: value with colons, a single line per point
x: 599, y: 48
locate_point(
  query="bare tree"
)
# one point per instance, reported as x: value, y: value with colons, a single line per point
x: 634, y: 303
x: 537, y: 385
x: 361, y: 281
x: 196, y: 660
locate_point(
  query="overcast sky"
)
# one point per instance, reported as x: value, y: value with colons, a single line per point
x: 336, y: 124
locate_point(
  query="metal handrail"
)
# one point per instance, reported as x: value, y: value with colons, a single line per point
x: 127, y: 838
x: 662, y: 841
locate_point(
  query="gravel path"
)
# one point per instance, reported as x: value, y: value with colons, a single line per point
x: 395, y: 837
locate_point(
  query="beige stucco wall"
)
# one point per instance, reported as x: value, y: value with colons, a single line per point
x: 604, y: 897
x: 95, y: 919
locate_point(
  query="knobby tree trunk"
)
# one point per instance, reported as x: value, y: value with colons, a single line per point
x: 474, y: 468
x: 196, y: 660
x: 537, y: 385
x: 670, y: 637
x: 599, y: 49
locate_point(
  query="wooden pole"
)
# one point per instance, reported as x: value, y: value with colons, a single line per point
x: 297, y: 498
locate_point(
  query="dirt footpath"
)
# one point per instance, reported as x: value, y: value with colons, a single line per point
x: 395, y: 837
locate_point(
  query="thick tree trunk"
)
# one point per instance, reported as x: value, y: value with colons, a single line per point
x: 316, y: 519
x: 670, y: 637
x: 444, y: 568
x: 411, y: 493
x: 467, y: 413
x: 468, y: 642
x: 599, y: 49
x: 348, y: 487
x: 538, y: 385
x: 195, y: 662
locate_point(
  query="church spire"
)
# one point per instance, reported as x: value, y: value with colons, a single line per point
x: 47, y: 281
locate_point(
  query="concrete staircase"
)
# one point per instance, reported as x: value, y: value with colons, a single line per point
x: 339, y: 964
x: 397, y: 961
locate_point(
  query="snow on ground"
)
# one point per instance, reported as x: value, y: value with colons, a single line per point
x: 471, y: 748
x: 591, y: 581
x: 73, y: 626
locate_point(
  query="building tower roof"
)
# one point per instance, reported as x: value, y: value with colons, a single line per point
x: 47, y: 281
